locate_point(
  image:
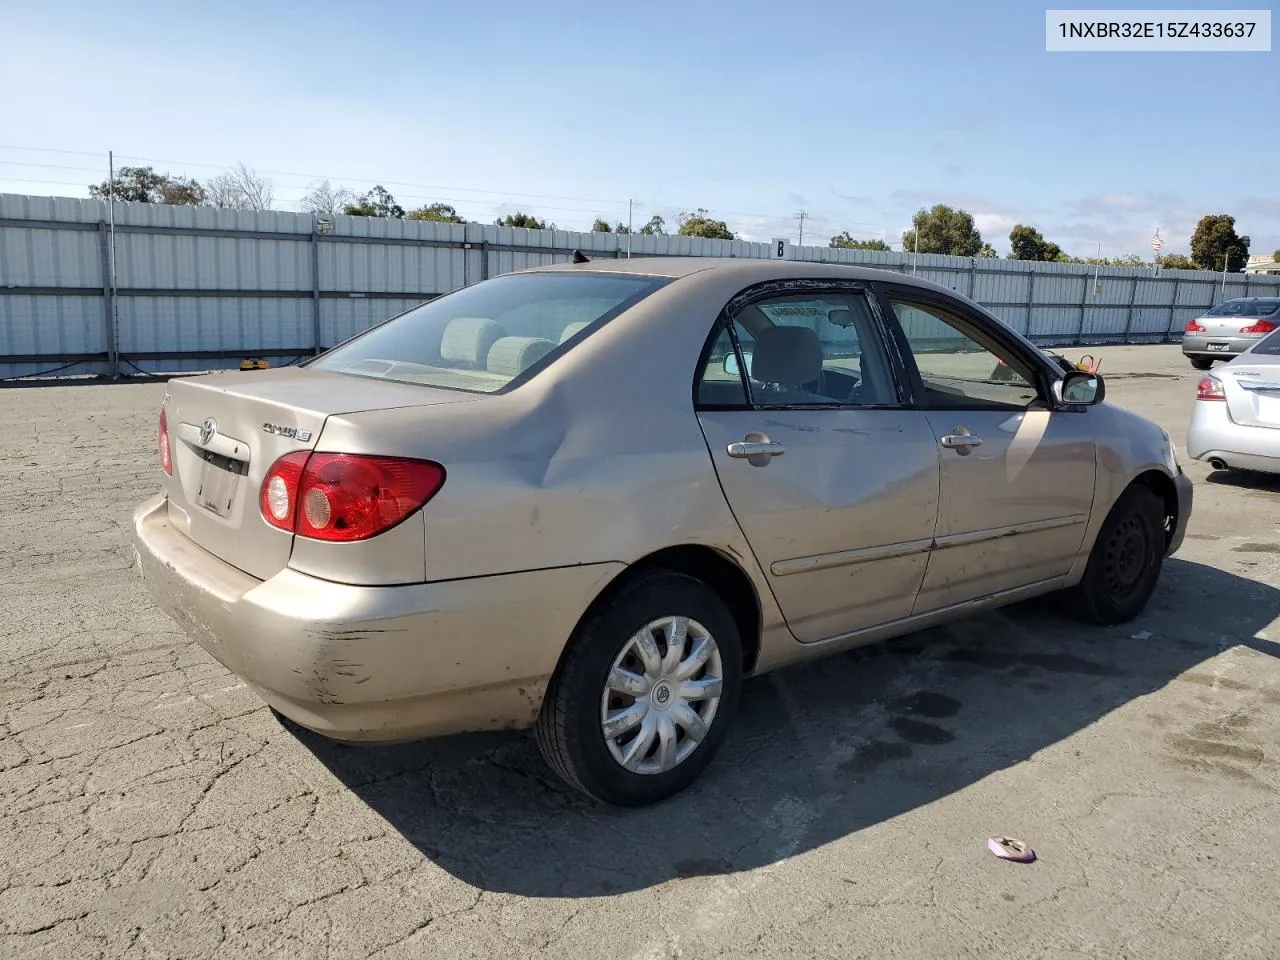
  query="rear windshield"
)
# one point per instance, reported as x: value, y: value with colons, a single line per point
x: 484, y: 337
x: 1245, y: 308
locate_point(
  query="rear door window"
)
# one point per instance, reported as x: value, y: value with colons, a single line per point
x: 819, y: 349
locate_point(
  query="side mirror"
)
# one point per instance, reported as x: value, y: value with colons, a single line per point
x: 1080, y: 389
x: 730, y: 364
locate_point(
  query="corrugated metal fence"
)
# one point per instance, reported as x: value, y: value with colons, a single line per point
x: 199, y: 288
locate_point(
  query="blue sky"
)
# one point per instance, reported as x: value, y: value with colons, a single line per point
x: 856, y: 112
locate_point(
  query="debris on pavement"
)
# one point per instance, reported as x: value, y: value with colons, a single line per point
x: 1007, y: 848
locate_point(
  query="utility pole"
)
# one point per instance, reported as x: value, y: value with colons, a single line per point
x: 801, y: 216
x: 113, y: 347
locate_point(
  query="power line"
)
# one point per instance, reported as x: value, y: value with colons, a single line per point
x: 438, y: 192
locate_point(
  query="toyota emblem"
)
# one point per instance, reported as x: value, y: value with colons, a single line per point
x: 207, y: 431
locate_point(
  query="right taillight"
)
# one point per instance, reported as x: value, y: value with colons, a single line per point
x: 162, y: 442
x: 1193, y: 326
x: 1210, y: 388
x: 1262, y: 326
x: 343, y: 497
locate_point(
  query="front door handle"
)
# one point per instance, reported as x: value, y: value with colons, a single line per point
x: 962, y: 441
x: 757, y: 449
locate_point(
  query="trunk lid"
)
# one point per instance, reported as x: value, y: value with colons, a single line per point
x: 1253, y: 391
x: 1224, y: 326
x: 225, y: 431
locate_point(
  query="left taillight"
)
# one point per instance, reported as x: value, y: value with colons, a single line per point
x: 341, y: 497
x: 1210, y: 388
x: 162, y: 440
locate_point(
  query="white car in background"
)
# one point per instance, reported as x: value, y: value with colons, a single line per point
x: 1235, y: 424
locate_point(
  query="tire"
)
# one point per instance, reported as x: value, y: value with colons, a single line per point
x: 570, y: 728
x: 1201, y: 363
x: 1124, y: 565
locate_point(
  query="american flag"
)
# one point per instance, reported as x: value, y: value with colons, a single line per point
x: 1156, y: 242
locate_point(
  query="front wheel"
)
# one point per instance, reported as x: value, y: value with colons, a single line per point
x: 1125, y: 562
x: 644, y: 696
x: 1201, y: 363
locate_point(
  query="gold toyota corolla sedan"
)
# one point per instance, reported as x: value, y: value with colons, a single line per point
x: 592, y: 498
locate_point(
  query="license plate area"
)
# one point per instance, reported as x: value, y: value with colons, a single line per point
x: 219, y: 481
x: 1267, y: 407
x: 1217, y: 347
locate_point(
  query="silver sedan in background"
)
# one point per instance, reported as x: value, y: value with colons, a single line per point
x: 1235, y: 424
x: 1229, y: 329
x: 593, y: 498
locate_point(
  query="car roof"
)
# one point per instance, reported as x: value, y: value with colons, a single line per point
x: 747, y: 270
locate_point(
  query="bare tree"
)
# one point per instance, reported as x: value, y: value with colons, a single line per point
x: 324, y: 199
x: 240, y: 189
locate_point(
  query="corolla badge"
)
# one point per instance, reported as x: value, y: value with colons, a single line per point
x: 208, y: 430
x: 294, y: 432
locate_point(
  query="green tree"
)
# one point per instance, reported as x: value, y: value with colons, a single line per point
x: 601, y: 226
x: 144, y: 185
x: 1027, y: 243
x: 519, y: 219
x: 376, y: 203
x: 700, y: 224
x: 656, y: 227
x: 987, y: 252
x: 843, y: 241
x: 1276, y: 256
x: 943, y: 230
x: 1215, y: 239
x: 436, y: 213
x: 1176, y: 261
x: 621, y: 228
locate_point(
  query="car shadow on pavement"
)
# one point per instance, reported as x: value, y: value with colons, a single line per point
x: 818, y: 751
x: 1245, y: 480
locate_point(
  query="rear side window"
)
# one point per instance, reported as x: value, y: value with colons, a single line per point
x: 1268, y: 346
x: 1245, y: 308
x: 492, y: 335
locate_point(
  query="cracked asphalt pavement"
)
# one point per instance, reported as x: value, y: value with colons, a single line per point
x: 151, y: 806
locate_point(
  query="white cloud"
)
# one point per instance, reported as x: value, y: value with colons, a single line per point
x: 991, y: 225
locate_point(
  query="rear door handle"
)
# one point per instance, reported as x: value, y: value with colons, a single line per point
x: 961, y: 442
x: 750, y: 449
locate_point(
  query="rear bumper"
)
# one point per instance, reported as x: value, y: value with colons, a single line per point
x: 1197, y: 344
x: 1213, y: 435
x: 372, y: 663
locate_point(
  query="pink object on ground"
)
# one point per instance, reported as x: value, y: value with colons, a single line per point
x: 1006, y: 848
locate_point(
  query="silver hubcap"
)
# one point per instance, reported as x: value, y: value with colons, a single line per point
x: 662, y: 695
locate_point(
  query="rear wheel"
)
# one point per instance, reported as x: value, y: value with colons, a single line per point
x: 1125, y: 562
x: 1202, y: 363
x: 645, y: 694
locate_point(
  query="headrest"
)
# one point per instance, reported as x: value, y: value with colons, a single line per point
x: 572, y: 329
x: 467, y: 340
x: 787, y: 355
x: 512, y: 356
